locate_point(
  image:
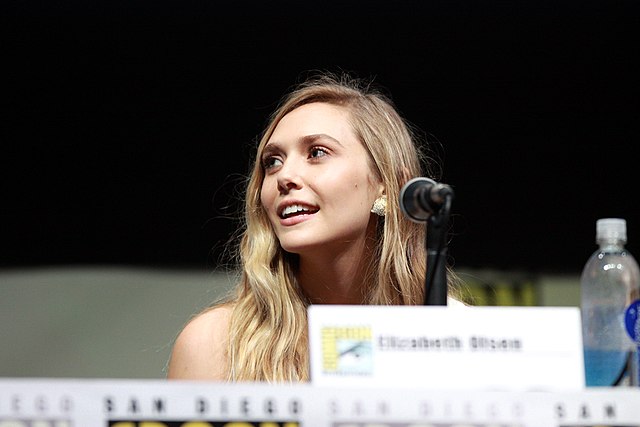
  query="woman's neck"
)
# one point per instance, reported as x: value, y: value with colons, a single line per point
x: 335, y: 277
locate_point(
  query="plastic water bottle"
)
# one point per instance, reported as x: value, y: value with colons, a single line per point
x: 610, y: 292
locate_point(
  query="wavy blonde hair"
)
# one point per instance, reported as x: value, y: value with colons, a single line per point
x: 268, y: 327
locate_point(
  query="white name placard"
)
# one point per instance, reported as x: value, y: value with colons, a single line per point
x: 442, y: 347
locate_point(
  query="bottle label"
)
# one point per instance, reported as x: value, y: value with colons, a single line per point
x: 632, y: 321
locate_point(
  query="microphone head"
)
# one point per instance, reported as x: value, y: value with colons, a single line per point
x: 409, y: 199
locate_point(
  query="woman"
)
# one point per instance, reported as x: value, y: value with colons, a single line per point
x: 323, y: 226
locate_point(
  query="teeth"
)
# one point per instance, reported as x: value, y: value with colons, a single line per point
x: 293, y: 209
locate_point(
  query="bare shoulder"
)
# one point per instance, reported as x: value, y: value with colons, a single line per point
x: 200, y: 351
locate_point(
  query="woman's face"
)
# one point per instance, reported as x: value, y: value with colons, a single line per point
x: 318, y: 187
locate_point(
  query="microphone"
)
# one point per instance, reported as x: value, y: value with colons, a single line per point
x: 422, y: 197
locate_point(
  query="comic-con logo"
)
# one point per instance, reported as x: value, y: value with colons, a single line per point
x: 347, y: 350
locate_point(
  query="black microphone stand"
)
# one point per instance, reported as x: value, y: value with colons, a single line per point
x: 436, y: 245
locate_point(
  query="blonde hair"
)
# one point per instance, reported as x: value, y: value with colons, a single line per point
x: 268, y: 327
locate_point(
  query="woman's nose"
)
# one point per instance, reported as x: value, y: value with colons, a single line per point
x: 289, y: 176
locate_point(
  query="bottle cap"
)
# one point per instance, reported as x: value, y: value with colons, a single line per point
x: 611, y: 229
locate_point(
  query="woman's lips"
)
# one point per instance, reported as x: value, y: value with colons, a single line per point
x: 297, y: 218
x: 294, y: 207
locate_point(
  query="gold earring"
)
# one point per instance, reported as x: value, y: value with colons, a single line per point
x: 380, y: 206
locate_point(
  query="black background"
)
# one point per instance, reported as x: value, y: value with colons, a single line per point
x: 128, y: 125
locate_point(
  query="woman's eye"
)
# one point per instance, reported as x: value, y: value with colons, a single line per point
x: 271, y: 162
x: 318, y: 152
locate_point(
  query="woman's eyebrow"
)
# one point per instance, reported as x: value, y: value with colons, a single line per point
x: 270, y: 148
x: 318, y: 136
x: 274, y: 146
